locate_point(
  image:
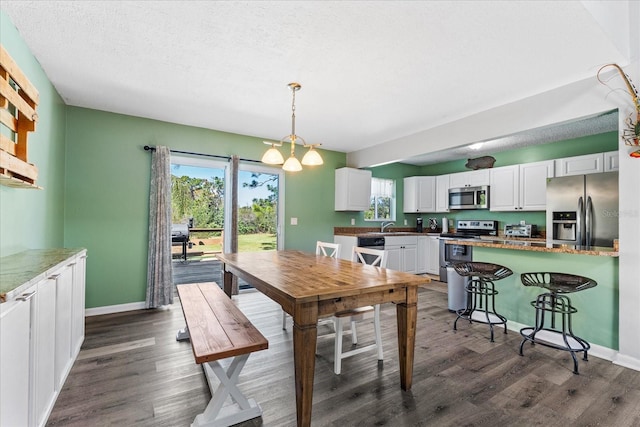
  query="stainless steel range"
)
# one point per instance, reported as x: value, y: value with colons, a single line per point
x: 465, y: 229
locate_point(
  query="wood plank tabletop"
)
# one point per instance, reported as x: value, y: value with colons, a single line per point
x: 304, y: 276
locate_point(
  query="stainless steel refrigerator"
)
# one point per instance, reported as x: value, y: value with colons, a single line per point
x: 582, y: 210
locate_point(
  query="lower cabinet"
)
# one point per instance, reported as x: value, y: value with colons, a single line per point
x: 43, y: 347
x: 41, y: 332
x: 402, y: 253
x: 15, y: 351
x: 428, y: 255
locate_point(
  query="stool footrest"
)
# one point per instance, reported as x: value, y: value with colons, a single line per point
x: 555, y: 339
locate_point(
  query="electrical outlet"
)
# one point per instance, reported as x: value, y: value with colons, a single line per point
x: 353, y: 221
x: 405, y: 222
x: 294, y: 221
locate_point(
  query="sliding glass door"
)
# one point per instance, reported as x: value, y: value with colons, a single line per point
x: 201, y: 199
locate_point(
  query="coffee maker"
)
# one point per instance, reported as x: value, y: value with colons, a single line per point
x: 419, y: 225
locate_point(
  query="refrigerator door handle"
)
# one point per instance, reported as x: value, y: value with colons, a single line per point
x: 589, y: 222
x: 579, y: 221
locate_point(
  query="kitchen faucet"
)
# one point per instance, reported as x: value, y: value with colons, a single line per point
x: 385, y: 225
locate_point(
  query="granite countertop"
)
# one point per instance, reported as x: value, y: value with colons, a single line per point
x: 535, y: 245
x: 23, y: 269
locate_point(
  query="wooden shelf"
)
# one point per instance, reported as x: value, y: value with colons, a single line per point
x: 18, y: 102
x: 10, y: 181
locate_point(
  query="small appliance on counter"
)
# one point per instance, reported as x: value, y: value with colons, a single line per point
x: 419, y: 225
x: 433, y: 224
x: 520, y: 230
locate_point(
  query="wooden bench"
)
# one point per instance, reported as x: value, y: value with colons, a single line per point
x: 218, y: 330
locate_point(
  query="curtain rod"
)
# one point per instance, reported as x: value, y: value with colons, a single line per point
x: 150, y: 148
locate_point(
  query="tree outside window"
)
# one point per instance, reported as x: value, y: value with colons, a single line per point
x: 383, y: 199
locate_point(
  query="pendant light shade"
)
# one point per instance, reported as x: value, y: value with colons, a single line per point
x: 274, y: 157
x: 292, y: 165
x: 312, y: 158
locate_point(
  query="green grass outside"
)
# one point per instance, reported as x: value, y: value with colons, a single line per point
x: 246, y: 243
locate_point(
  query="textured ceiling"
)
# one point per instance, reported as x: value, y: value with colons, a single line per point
x: 370, y: 71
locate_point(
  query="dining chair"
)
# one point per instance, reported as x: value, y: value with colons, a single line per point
x: 322, y: 248
x: 374, y: 257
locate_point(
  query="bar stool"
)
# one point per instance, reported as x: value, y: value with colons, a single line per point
x: 554, y: 303
x: 481, y: 293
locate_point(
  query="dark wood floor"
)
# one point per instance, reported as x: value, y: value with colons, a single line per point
x: 132, y: 372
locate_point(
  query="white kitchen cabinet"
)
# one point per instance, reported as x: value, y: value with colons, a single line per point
x: 78, y: 304
x: 347, y: 243
x: 611, y: 161
x: 43, y: 346
x: 41, y: 331
x: 433, y: 257
x: 469, y: 179
x: 64, y: 299
x: 442, y: 193
x: 420, y: 194
x: 428, y: 255
x: 15, y: 352
x: 402, y: 253
x: 423, y: 254
x: 580, y: 165
x: 353, y: 189
x: 520, y: 187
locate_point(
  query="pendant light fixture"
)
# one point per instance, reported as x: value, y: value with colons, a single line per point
x: 292, y: 164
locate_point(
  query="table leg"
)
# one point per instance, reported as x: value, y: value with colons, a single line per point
x: 227, y: 281
x: 305, y: 334
x: 407, y: 315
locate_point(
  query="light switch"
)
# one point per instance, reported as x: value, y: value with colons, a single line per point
x: 294, y: 221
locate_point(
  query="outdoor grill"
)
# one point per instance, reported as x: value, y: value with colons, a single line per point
x: 180, y: 235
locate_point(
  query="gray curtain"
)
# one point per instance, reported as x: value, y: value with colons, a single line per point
x: 159, y: 272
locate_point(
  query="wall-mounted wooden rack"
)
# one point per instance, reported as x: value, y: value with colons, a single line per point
x: 18, y: 101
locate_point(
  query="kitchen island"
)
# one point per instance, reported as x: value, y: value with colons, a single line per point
x: 597, y: 317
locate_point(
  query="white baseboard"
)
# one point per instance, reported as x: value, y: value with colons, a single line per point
x: 109, y: 309
x: 627, y: 362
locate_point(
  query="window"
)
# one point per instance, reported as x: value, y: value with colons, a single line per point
x: 383, y: 200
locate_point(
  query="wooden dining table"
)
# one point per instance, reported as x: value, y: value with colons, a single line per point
x: 310, y: 286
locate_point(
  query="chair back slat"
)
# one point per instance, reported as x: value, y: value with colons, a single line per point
x: 378, y: 257
x: 328, y: 249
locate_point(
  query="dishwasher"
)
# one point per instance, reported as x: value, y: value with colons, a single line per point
x: 376, y: 242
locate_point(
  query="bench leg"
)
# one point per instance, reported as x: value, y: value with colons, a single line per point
x: 183, y: 334
x: 217, y: 415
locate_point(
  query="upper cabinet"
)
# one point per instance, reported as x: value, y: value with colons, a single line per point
x: 589, y: 163
x: 420, y: 194
x: 520, y: 187
x: 442, y: 193
x: 353, y: 189
x: 469, y: 179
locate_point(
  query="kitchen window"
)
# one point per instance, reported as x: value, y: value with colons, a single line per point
x: 383, y: 200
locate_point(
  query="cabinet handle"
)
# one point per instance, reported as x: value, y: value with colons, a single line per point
x: 26, y: 296
x: 53, y: 276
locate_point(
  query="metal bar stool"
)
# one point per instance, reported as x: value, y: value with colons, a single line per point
x: 555, y: 303
x: 481, y: 302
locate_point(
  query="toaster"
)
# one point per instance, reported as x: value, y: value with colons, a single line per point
x: 520, y: 230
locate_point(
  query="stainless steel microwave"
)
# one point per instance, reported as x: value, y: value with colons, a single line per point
x: 469, y: 197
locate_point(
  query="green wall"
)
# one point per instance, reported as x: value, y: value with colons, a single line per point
x: 34, y: 218
x: 597, y: 318
x: 107, y: 197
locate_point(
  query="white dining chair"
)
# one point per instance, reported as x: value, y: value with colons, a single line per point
x: 322, y: 248
x: 374, y: 257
